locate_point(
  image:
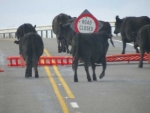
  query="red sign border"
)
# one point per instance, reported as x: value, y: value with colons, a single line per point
x: 86, y: 15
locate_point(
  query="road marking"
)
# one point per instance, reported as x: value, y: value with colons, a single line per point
x: 64, y: 84
x: 74, y: 105
x: 60, y: 98
x: 127, y: 43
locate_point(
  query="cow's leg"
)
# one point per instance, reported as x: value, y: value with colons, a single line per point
x: 136, y: 47
x: 75, y: 66
x: 30, y: 69
x: 59, y: 46
x: 124, y: 46
x: 86, y: 66
x: 63, y: 45
x: 28, y: 64
x: 67, y: 46
x: 93, y: 68
x: 35, y: 64
x: 141, y: 58
x: 104, y: 68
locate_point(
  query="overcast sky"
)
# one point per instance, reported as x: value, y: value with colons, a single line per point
x: 13, y: 13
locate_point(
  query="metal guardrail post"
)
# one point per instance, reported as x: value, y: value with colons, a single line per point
x: 51, y: 33
x: 3, y: 35
x: 46, y: 33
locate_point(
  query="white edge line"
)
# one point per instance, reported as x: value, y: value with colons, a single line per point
x: 74, y: 105
x: 127, y: 43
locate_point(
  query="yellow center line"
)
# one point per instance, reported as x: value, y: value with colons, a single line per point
x: 60, y: 98
x: 67, y: 89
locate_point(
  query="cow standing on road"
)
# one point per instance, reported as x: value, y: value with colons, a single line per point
x: 143, y: 41
x: 31, y: 48
x: 60, y: 18
x: 91, y: 48
x: 128, y: 25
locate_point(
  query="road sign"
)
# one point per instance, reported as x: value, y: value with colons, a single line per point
x: 86, y: 23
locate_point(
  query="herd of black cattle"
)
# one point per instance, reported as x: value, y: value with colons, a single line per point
x: 90, y: 48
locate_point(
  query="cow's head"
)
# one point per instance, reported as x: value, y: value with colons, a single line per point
x: 118, y: 25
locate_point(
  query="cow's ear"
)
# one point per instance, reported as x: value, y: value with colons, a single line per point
x: 117, y: 18
x: 34, y: 26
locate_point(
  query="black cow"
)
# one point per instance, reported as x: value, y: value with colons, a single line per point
x: 67, y: 32
x: 143, y: 41
x: 128, y: 25
x: 106, y: 27
x: 31, y: 48
x: 60, y: 18
x: 91, y: 48
x: 22, y: 30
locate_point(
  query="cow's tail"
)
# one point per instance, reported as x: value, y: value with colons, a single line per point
x: 34, y: 59
x: 110, y: 37
x: 75, y: 45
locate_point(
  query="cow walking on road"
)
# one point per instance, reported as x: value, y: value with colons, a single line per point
x: 60, y: 19
x: 143, y: 41
x: 31, y: 48
x: 128, y: 25
x: 91, y: 48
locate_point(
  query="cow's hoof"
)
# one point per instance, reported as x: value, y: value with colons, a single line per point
x: 89, y: 80
x: 102, y: 75
x: 64, y: 50
x: 59, y: 51
x: 68, y: 52
x: 75, y: 80
x: 140, y: 66
x: 94, y: 79
x: 26, y: 76
x: 37, y: 76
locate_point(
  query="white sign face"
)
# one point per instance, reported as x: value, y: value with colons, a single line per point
x: 86, y: 25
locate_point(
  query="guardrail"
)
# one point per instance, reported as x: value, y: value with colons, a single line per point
x: 10, y: 32
x: 44, y: 31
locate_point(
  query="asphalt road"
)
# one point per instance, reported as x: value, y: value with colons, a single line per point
x: 124, y: 89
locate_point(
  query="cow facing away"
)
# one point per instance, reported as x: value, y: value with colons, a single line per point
x: 128, y: 25
x: 91, y: 48
x: 143, y: 41
x: 31, y: 48
x: 60, y: 18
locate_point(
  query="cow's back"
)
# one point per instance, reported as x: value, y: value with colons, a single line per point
x: 133, y: 24
x: 61, y: 18
x: 93, y: 45
x: 33, y: 44
x: 23, y: 29
x: 106, y: 27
